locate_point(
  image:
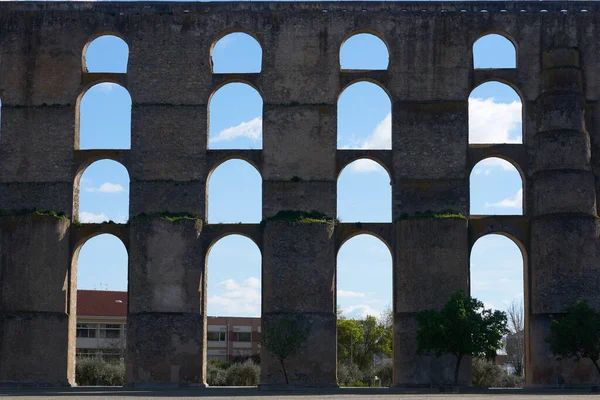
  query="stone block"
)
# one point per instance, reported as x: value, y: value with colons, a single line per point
x: 314, y: 365
x: 167, y: 196
x: 564, y: 262
x: 561, y: 112
x: 577, y: 192
x: 410, y: 197
x: 431, y: 262
x: 299, y: 142
x: 303, y: 196
x: 166, y: 348
x: 562, y: 150
x: 299, y: 262
x: 52, y: 196
x: 166, y: 271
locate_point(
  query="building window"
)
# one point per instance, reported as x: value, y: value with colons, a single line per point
x: 110, y: 331
x: 86, y: 330
x: 242, y: 336
x: 216, y: 336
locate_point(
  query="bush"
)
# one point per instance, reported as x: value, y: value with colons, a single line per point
x: 349, y: 374
x: 384, y: 371
x: 98, y: 372
x: 246, y: 374
x: 488, y: 374
x: 215, y: 375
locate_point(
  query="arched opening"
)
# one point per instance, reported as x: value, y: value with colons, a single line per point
x: 234, y: 193
x: 494, y: 51
x: 100, y: 265
x: 233, y: 267
x: 495, y: 114
x: 104, y: 118
x: 364, y: 118
x: 235, y: 118
x: 364, y: 51
x: 364, y: 193
x: 236, y: 52
x: 101, y: 193
x: 365, y: 318
x: 107, y: 53
x: 497, y: 279
x: 496, y: 188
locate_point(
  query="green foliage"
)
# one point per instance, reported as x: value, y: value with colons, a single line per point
x: 243, y: 374
x: 33, y: 211
x: 385, y: 371
x: 215, y: 376
x: 98, y: 372
x: 360, y: 340
x: 301, y: 217
x: 577, y: 334
x: 169, y: 216
x: 434, y: 215
x: 284, y: 339
x: 462, y: 328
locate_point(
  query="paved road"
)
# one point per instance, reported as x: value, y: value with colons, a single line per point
x: 253, y: 394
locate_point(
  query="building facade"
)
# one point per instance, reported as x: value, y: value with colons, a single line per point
x: 102, y: 329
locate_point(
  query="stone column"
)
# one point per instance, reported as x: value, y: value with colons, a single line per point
x: 37, y: 319
x: 565, y: 232
x: 431, y: 251
x: 166, y: 319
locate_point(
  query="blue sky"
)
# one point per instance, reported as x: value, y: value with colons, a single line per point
x: 234, y: 263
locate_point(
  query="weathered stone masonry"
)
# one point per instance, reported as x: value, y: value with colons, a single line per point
x: 169, y: 77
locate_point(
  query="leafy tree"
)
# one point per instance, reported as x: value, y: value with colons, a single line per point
x: 577, y: 334
x: 377, y: 340
x: 462, y: 328
x: 284, y: 340
x: 349, y: 338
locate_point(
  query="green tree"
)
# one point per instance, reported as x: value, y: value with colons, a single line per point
x: 463, y: 328
x: 377, y: 341
x: 349, y: 338
x: 577, y: 334
x: 284, y: 339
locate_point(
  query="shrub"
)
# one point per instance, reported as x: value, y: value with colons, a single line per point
x: 488, y: 374
x: 215, y: 375
x: 246, y: 374
x: 348, y: 374
x: 384, y: 371
x: 98, y: 372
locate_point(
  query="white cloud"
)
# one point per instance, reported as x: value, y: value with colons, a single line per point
x: 379, y: 139
x: 105, y: 87
x: 491, y: 122
x: 515, y: 201
x: 91, y: 218
x: 106, y: 187
x: 361, y: 311
x: 348, y: 293
x: 239, y: 299
x: 251, y: 129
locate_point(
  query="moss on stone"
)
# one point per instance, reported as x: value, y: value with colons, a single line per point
x: 169, y: 216
x: 33, y: 211
x: 301, y: 217
x: 448, y: 214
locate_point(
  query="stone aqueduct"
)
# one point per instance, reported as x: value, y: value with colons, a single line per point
x: 169, y: 77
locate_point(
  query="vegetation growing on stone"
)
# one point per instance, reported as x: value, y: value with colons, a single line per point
x: 448, y: 214
x: 169, y: 216
x: 302, y: 217
x: 33, y: 211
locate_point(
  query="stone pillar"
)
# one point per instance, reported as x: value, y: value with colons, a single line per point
x: 565, y: 233
x: 431, y: 252
x: 166, y: 319
x: 37, y: 320
x: 299, y: 283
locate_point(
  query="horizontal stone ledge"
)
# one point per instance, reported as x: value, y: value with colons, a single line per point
x: 84, y: 158
x: 504, y: 75
x: 89, y: 79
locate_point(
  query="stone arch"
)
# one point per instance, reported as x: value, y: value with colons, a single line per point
x: 364, y: 105
x: 246, y: 198
x: 76, y: 275
x: 508, y: 201
x: 103, y: 188
x: 376, y: 39
x: 360, y: 230
x: 247, y: 102
x: 114, y: 105
x: 220, y: 66
x: 106, y: 39
x: 372, y: 184
x: 503, y: 39
x: 496, y: 116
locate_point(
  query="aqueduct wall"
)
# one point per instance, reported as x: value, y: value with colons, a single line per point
x: 169, y: 77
